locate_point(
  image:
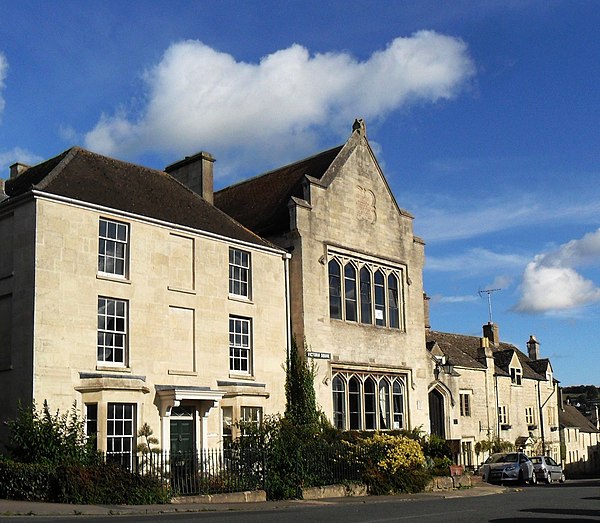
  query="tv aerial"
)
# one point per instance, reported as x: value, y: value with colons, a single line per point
x: 489, y: 298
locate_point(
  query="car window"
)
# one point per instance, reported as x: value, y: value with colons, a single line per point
x: 550, y: 461
x: 509, y: 458
x: 536, y: 460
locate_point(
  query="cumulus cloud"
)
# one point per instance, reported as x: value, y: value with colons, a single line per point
x: 3, y: 71
x: 551, y: 281
x: 200, y: 97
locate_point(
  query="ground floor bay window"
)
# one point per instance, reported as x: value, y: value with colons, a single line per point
x: 120, y: 433
x: 368, y: 401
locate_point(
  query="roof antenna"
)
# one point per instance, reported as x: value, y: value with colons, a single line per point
x: 489, y: 297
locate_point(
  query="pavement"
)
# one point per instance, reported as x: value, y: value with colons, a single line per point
x: 33, y: 508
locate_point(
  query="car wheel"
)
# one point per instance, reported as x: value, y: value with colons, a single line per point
x: 562, y: 478
x: 521, y: 479
x: 533, y: 479
x: 549, y: 478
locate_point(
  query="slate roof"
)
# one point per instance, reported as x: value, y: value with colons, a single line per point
x: 569, y: 416
x: 461, y: 351
x: 89, y: 177
x: 261, y: 203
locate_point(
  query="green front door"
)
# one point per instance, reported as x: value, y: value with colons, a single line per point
x: 182, y: 436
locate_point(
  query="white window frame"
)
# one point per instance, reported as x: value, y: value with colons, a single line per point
x: 503, y: 415
x: 516, y: 376
x: 529, y: 416
x: 113, y: 248
x: 240, y: 345
x: 121, y: 433
x: 112, y: 338
x: 240, y: 273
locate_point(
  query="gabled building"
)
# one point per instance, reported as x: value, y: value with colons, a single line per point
x: 127, y: 293
x: 484, y: 389
x: 355, y: 280
x: 580, y: 439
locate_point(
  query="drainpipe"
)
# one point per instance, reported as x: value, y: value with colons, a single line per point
x: 541, y: 418
x: 497, y: 408
x: 288, y: 322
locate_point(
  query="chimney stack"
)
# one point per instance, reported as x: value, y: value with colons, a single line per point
x: 17, y: 168
x: 484, y: 352
x: 533, y: 348
x: 492, y: 333
x: 426, y: 311
x: 2, y: 193
x: 196, y: 173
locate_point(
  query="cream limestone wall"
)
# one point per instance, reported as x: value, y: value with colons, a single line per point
x: 355, y: 214
x: 179, y: 308
x: 17, y: 233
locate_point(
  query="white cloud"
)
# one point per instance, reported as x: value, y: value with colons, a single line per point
x: 198, y: 97
x: 475, y: 261
x: 551, y: 283
x: 467, y: 298
x: 446, y: 220
x: 17, y: 154
x: 3, y: 72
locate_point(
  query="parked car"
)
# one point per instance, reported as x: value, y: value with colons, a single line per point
x: 546, y: 469
x: 508, y: 466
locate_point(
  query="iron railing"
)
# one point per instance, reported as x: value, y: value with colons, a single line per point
x: 244, y: 468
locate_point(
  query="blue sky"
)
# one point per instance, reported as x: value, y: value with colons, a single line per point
x: 484, y: 116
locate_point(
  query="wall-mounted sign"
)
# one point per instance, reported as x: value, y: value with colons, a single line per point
x: 319, y: 355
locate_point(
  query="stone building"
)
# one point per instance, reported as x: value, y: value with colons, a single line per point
x: 580, y: 439
x: 355, y: 280
x: 486, y: 389
x: 127, y: 293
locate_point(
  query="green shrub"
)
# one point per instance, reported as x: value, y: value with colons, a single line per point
x: 26, y: 481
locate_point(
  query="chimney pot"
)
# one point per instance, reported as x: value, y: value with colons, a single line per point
x: 492, y: 333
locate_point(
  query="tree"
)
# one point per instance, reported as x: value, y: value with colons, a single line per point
x: 301, y: 404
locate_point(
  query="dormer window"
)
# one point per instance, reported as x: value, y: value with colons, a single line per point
x: 516, y: 375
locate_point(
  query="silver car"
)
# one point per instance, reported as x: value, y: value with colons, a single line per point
x: 546, y: 469
x: 508, y: 467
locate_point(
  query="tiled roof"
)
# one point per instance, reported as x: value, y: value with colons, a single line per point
x: 261, y: 203
x: 461, y: 351
x: 569, y: 416
x: 89, y: 177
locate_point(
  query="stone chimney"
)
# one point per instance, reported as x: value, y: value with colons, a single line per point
x: 426, y: 311
x: 196, y: 173
x: 484, y: 352
x: 17, y: 168
x: 2, y: 193
x: 533, y: 348
x: 492, y: 333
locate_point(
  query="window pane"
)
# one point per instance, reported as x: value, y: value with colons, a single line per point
x: 365, y: 296
x: 379, y: 299
x: 350, y: 291
x: 239, y: 273
x: 370, y: 404
x: 393, y: 301
x: 335, y: 290
x: 339, y: 403
x: 384, y: 404
x: 355, y: 404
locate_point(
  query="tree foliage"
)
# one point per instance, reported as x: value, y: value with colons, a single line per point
x: 48, y: 438
x: 301, y: 404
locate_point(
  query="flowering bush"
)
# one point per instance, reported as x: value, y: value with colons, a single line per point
x: 397, y: 452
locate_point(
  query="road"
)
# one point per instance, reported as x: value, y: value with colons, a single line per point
x: 569, y: 502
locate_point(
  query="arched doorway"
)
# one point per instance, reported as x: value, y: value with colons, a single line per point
x: 436, y: 413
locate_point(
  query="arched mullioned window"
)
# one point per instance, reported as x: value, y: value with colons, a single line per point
x: 335, y: 290
x: 366, y: 311
x: 379, y: 298
x: 350, y: 292
x: 355, y: 403
x: 339, y: 402
x: 370, y: 404
x: 393, y: 304
x: 398, y: 403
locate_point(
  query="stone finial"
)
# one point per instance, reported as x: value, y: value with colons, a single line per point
x: 360, y: 126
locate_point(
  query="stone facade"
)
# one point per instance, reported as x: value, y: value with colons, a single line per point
x: 164, y: 341
x: 369, y: 351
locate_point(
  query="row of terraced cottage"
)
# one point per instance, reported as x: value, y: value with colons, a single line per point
x: 144, y: 297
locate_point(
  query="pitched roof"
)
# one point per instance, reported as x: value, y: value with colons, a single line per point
x: 261, y: 203
x: 462, y: 351
x: 569, y: 416
x: 89, y: 177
